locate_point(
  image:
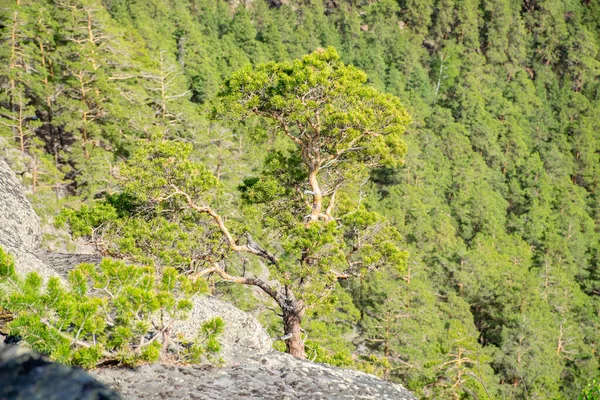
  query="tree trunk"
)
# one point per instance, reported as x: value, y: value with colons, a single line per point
x: 292, y: 318
x: 317, y: 195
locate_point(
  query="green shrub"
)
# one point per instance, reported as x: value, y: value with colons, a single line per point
x: 108, y: 312
x: 591, y: 391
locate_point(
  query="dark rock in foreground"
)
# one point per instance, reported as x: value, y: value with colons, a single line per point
x: 28, y: 376
x: 272, y: 376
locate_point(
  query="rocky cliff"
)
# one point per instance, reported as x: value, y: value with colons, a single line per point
x: 20, y: 233
x: 252, y: 370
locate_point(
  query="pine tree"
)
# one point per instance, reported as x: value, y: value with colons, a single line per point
x: 110, y: 312
x: 316, y: 252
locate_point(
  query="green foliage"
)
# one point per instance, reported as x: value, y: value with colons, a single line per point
x: 87, y: 218
x: 335, y: 127
x: 157, y: 167
x: 318, y: 93
x: 165, y: 203
x: 151, y: 220
x: 590, y: 392
x: 109, y: 312
x: 497, y: 200
x: 206, y: 344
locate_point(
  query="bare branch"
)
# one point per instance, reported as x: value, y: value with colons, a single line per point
x: 275, y: 295
x: 219, y: 220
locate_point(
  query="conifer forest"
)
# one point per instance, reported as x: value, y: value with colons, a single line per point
x: 406, y: 187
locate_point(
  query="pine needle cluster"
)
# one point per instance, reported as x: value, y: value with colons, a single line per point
x: 111, y: 312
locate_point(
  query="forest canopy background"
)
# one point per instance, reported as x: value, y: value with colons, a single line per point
x: 498, y: 200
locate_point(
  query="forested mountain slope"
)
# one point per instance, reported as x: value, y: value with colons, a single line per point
x: 498, y: 201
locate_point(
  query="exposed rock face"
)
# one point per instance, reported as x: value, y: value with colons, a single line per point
x: 28, y: 376
x: 64, y: 262
x: 241, y: 329
x: 19, y: 225
x: 273, y: 376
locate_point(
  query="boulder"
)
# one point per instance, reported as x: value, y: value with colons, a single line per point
x: 20, y: 233
x: 28, y: 376
x: 241, y: 329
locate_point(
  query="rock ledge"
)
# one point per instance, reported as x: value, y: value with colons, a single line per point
x: 272, y: 376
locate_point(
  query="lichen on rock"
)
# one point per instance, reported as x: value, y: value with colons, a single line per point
x: 271, y: 376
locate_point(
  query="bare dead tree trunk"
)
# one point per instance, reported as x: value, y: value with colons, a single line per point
x: 20, y: 127
x: 91, y: 38
x: 181, y: 51
x: 84, y: 113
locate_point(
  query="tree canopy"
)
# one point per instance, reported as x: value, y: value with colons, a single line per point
x: 307, y: 247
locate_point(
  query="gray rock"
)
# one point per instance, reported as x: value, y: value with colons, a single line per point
x: 64, y: 262
x: 19, y: 225
x: 269, y: 379
x: 241, y: 332
x: 29, y: 376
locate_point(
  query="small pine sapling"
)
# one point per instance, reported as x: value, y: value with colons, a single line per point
x: 108, y: 312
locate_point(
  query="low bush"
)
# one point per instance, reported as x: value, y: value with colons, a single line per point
x: 111, y: 312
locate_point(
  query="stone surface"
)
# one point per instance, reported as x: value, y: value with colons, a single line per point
x: 19, y: 225
x: 241, y: 329
x: 271, y: 376
x: 29, y: 376
x: 64, y: 262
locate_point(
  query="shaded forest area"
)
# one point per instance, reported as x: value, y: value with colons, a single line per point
x: 498, y: 201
